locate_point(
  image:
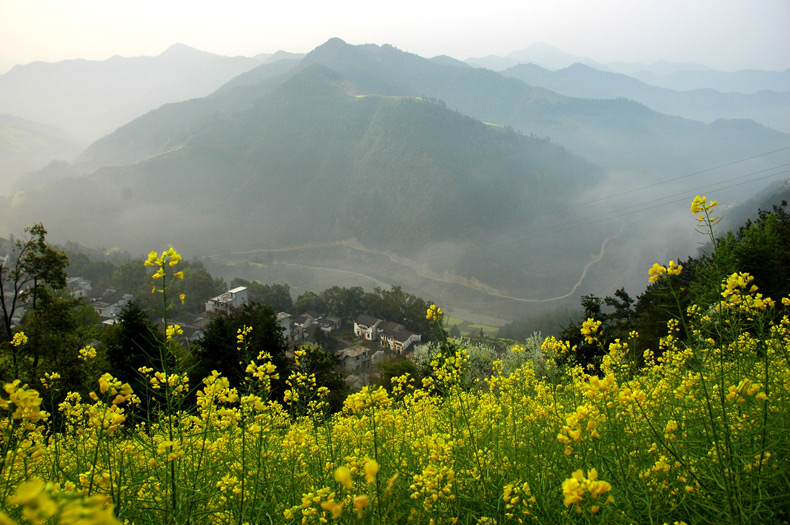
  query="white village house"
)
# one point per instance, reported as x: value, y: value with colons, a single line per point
x: 227, y: 301
x: 366, y: 327
x: 392, y: 335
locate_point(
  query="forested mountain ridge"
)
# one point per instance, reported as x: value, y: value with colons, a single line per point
x: 316, y: 160
x: 617, y: 134
x: 371, y: 145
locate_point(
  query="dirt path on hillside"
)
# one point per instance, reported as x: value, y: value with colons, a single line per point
x: 378, y: 283
x: 592, y: 261
x: 482, y: 288
x: 418, y: 268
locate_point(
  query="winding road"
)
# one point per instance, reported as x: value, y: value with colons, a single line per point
x: 414, y: 266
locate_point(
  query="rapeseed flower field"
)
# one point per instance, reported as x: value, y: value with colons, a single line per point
x: 695, y: 431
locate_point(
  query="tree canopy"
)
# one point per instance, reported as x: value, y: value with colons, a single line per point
x: 31, y: 265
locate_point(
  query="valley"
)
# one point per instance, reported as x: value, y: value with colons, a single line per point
x: 366, y: 165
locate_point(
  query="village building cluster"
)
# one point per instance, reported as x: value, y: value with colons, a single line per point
x: 356, y: 355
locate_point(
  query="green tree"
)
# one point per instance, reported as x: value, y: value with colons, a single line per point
x: 31, y: 265
x: 398, y: 306
x: 217, y: 349
x: 278, y: 296
x: 310, y: 301
x: 762, y: 249
x: 344, y: 302
x: 238, y: 281
x: 60, y: 326
x: 198, y: 285
x: 326, y: 367
x: 391, y: 369
x: 325, y: 341
x: 590, y: 353
x: 131, y: 343
x: 98, y: 273
x: 129, y: 277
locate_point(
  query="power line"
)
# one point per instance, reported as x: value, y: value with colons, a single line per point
x: 688, y: 175
x: 601, y: 217
x: 584, y: 221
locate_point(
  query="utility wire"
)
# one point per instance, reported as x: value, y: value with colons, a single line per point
x: 619, y: 213
x: 585, y: 221
x: 687, y: 175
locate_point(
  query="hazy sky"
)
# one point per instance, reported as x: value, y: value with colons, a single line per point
x: 724, y: 34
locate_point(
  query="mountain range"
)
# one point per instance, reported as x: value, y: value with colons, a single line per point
x: 771, y: 108
x: 615, y: 133
x: 461, y: 183
x: 89, y: 99
x: 27, y: 146
x: 670, y: 75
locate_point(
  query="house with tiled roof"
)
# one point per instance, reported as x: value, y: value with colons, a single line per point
x: 110, y: 303
x: 79, y: 287
x: 355, y: 358
x: 391, y: 335
x: 366, y: 327
x: 396, y: 337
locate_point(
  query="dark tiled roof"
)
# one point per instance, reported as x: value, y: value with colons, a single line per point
x: 389, y: 327
x: 366, y: 320
x: 403, y: 334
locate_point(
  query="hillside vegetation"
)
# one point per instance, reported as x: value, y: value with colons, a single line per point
x: 428, y: 174
x: 315, y: 161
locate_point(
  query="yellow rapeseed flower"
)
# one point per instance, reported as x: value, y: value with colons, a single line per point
x: 701, y: 206
x: 174, y: 258
x: 27, y: 492
x: 575, y: 487
x: 590, y: 327
x: 371, y: 469
x: 434, y: 313
x: 343, y: 476
x: 655, y: 272
x: 173, y: 331
x: 152, y: 258
x: 86, y: 353
x: 360, y: 502
x: 334, y: 507
x: 19, y: 339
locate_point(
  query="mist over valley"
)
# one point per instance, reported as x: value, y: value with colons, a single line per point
x: 499, y: 194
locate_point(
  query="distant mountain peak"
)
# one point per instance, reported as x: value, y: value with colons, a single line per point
x: 540, y: 53
x: 548, y: 56
x: 179, y: 50
x: 280, y: 55
x: 335, y: 51
x: 334, y: 43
